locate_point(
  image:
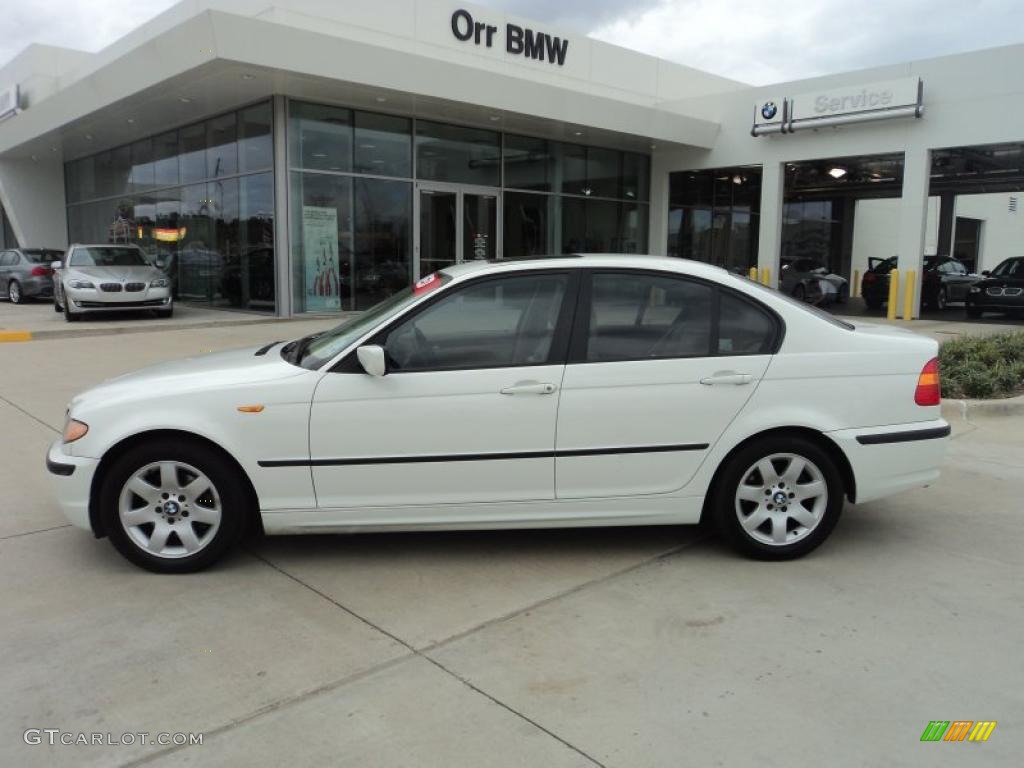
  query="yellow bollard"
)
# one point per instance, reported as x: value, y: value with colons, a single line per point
x: 855, y: 288
x: 753, y: 274
x: 765, y: 276
x: 894, y: 294
x: 908, y: 295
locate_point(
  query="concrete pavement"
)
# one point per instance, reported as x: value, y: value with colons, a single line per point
x: 616, y: 647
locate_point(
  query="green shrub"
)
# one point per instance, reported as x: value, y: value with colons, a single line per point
x: 983, y: 366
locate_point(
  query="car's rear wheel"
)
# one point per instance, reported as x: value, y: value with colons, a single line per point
x: 173, y: 507
x: 14, y: 292
x: 778, y: 498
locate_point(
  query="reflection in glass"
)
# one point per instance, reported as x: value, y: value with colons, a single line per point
x: 529, y: 163
x: 221, y: 146
x: 321, y: 247
x: 383, y: 145
x: 438, y: 233
x: 529, y: 224
x: 457, y: 154
x: 165, y: 159
x: 256, y: 268
x: 479, y: 227
x: 255, y: 141
x: 142, y: 176
x: 382, y: 258
x: 192, y: 153
x: 603, y: 172
x: 320, y: 137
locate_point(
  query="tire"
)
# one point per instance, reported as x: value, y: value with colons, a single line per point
x: 872, y: 303
x: 14, y: 292
x: 973, y: 312
x: 71, y: 317
x: 56, y: 305
x: 741, y: 499
x: 941, y: 299
x: 214, y: 513
x: 799, y: 293
x: 844, y: 294
x: 165, y: 313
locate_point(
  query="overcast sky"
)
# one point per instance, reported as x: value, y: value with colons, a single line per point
x: 755, y: 41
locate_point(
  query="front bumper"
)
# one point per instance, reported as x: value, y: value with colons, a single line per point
x: 71, y: 479
x: 887, y: 460
x: 93, y: 299
x: 983, y: 300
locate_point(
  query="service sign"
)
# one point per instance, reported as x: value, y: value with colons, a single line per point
x: 850, y: 100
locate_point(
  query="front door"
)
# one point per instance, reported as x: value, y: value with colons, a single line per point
x: 454, y: 224
x: 466, y: 412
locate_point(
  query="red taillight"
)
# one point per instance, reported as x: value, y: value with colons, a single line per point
x: 928, y: 391
x: 41, y: 271
x: 869, y: 277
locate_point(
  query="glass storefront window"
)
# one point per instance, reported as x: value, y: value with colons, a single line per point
x: 529, y: 224
x: 456, y: 154
x: 383, y: 145
x: 192, y: 153
x: 255, y: 138
x: 221, y: 146
x: 636, y: 176
x: 320, y: 137
x: 141, y: 176
x: 382, y: 261
x: 321, y: 247
x: 604, y: 171
x: 574, y: 169
x: 256, y: 245
x: 165, y: 159
x: 529, y: 163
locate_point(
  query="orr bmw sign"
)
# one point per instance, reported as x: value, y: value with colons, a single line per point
x: 840, y: 106
x: 517, y: 40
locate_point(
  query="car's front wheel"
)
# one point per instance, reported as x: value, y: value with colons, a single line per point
x: 173, y: 507
x: 14, y: 292
x: 778, y: 498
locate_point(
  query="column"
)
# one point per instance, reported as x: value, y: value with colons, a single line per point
x: 282, y: 226
x: 769, y: 238
x: 917, y: 167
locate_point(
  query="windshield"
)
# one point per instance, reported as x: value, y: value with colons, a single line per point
x: 796, y: 303
x: 41, y: 256
x: 1009, y: 268
x: 103, y: 256
x: 319, y: 349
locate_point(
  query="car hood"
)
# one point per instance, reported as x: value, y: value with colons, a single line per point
x: 116, y: 274
x: 220, y: 370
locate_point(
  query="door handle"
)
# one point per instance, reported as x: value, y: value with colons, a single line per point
x: 529, y: 388
x: 728, y: 377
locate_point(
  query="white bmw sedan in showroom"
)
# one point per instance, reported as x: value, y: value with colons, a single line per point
x: 575, y: 391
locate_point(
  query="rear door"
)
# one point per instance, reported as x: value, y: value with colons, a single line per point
x: 659, y: 366
x: 7, y: 258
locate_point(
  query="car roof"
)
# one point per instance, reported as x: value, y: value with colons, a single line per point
x: 598, y: 260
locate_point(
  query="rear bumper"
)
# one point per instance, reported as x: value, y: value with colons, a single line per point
x: 887, y: 460
x: 71, y: 480
x: 37, y: 286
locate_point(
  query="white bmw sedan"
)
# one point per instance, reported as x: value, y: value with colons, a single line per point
x: 99, y: 278
x: 580, y: 391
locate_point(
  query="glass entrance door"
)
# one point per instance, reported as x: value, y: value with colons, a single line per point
x: 455, y: 224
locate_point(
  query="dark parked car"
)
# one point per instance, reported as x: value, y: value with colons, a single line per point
x: 259, y: 263
x: 1001, y: 290
x: 944, y: 280
x: 25, y: 273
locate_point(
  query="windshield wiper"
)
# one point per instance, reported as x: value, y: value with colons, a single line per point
x: 294, y: 351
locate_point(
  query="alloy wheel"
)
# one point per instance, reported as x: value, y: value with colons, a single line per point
x: 14, y: 292
x: 170, y: 509
x: 781, y: 499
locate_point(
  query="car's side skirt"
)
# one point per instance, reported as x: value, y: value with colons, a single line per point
x: 663, y: 509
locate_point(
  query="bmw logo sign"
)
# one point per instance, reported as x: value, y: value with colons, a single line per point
x: 769, y: 110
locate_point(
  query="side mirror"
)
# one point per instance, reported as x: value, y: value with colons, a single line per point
x: 54, y: 265
x: 371, y: 357
x: 985, y: 273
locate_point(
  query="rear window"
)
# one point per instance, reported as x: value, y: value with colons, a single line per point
x: 40, y: 256
x: 798, y: 304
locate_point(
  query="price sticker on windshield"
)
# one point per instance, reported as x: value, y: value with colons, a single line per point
x: 427, y: 284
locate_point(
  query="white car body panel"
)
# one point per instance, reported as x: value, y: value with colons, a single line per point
x: 834, y: 381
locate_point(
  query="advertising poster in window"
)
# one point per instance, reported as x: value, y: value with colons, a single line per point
x: 320, y: 244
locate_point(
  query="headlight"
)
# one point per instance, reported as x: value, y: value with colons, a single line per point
x: 160, y: 282
x: 80, y: 284
x: 74, y: 430
x: 974, y: 289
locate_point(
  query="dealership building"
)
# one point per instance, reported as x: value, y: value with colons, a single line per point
x: 310, y: 156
